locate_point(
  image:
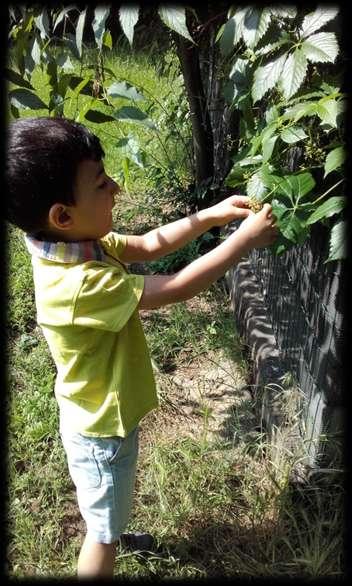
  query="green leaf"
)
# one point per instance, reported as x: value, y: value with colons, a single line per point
x: 131, y: 149
x: 280, y: 210
x: 78, y: 89
x: 100, y: 15
x: 175, y: 18
x: 272, y: 46
x: 334, y: 160
x: 63, y: 84
x: 308, y: 96
x: 239, y: 16
x: 267, y: 132
x: 268, y: 146
x: 301, y: 110
x: 64, y: 61
x: 82, y: 111
x: 80, y: 85
x: 256, y: 143
x: 29, y: 64
x: 250, y: 161
x: 255, y: 186
x: 227, y: 37
x: 315, y: 20
x: 36, y: 52
x: 291, y: 226
x: 294, y: 72
x: 294, y: 186
x: 107, y: 39
x: 235, y: 176
x: 321, y: 48
x: 239, y: 79
x: 25, y: 99
x: 52, y: 73
x: 42, y: 22
x: 284, y: 11
x: 219, y: 33
x: 266, y: 77
x: 301, y: 184
x: 131, y: 114
x: 250, y: 26
x: 56, y: 104
x: 79, y: 31
x: 98, y: 117
x: 329, y: 111
x: 71, y: 43
x: 14, y: 111
x: 128, y: 16
x: 16, y: 78
x: 294, y: 229
x: 334, y: 205
x: 272, y: 114
x: 126, y: 171
x: 293, y: 134
x: 255, y: 25
x: 337, y: 244
x: 124, y: 90
x: 62, y: 14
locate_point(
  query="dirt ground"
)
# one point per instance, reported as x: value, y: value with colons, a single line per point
x: 204, y: 393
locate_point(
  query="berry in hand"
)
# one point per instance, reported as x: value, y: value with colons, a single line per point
x: 254, y: 205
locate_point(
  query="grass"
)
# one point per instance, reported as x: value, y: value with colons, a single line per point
x: 181, y: 331
x: 218, y: 506
x: 20, y: 309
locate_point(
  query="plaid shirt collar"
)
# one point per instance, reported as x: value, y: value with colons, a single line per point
x: 66, y: 252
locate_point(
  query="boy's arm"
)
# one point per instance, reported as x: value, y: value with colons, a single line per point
x: 258, y: 230
x: 166, y: 239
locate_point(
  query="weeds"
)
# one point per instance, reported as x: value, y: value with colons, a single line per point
x: 185, y: 330
x: 217, y: 510
x: 21, y: 308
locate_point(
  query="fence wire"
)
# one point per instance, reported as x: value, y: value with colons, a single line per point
x: 304, y: 299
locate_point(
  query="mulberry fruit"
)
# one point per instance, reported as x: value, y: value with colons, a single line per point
x: 254, y: 205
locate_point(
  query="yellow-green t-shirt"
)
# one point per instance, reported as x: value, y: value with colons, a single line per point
x: 87, y: 308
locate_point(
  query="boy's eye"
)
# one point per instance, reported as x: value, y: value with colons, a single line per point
x: 102, y: 185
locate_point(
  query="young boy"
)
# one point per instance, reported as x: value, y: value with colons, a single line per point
x: 87, y: 306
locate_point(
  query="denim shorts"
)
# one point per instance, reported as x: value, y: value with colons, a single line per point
x: 103, y: 471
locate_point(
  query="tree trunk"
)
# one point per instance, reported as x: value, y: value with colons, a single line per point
x: 201, y: 127
x: 214, y: 123
x: 224, y: 119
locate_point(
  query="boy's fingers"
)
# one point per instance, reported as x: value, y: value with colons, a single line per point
x: 267, y: 209
x: 243, y: 198
x: 238, y: 200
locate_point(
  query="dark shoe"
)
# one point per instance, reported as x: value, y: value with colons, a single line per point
x: 137, y: 541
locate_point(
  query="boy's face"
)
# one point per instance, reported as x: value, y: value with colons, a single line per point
x: 94, y: 197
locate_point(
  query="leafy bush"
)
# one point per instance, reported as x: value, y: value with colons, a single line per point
x: 291, y: 146
x: 78, y: 74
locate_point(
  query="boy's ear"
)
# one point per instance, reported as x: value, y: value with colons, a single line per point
x: 59, y: 217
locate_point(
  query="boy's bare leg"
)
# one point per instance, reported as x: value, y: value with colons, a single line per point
x: 96, y: 559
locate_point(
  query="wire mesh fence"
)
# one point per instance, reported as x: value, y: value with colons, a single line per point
x: 303, y: 299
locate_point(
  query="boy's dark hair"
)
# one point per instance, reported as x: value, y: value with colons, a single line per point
x: 42, y: 158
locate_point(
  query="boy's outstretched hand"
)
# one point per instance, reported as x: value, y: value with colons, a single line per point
x: 232, y: 208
